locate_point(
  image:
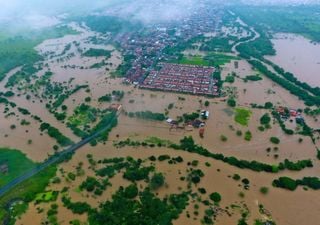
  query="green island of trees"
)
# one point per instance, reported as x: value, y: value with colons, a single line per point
x: 93, y: 52
x: 291, y: 184
x: 148, y: 115
x: 56, y: 134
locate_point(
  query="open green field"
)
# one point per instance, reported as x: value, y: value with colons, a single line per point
x: 17, y: 163
x: 46, y: 196
x: 212, y: 59
x: 242, y: 116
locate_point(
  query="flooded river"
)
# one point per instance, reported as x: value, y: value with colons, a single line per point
x: 299, y: 56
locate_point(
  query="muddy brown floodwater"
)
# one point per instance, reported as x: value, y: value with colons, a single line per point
x: 299, y: 56
x: 282, y: 204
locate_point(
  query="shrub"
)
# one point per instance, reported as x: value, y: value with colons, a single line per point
x: 247, y: 136
x: 231, y: 102
x: 216, y: 197
x: 264, y: 190
x: 157, y: 181
x: 223, y: 138
x: 236, y: 177
x: 274, y: 140
x: 265, y: 119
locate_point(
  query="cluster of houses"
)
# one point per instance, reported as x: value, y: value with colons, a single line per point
x: 182, y: 78
x: 190, y: 125
x: 286, y: 114
x: 149, y: 48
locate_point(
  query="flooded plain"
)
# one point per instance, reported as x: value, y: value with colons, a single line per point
x: 221, y: 122
x: 298, y: 55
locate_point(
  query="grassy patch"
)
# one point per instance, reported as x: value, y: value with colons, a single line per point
x: 27, y: 190
x: 212, y: 59
x: 242, y: 116
x: 17, y: 164
x: 47, y: 196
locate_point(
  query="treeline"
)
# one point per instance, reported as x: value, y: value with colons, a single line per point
x: 147, y: 115
x: 293, y: 89
x: 291, y: 184
x: 258, y: 48
x: 63, y: 97
x: 188, y: 144
x: 290, y: 77
x: 56, y: 134
x: 25, y: 74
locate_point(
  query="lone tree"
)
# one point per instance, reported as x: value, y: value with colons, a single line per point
x: 157, y: 181
x: 216, y: 197
x: 275, y: 140
x: 231, y: 102
x: 265, y: 119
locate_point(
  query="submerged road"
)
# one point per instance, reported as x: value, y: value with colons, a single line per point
x: 4, y: 189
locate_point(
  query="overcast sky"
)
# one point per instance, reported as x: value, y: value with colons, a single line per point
x: 41, y: 13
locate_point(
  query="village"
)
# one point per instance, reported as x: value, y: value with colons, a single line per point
x: 144, y: 49
x: 196, y: 80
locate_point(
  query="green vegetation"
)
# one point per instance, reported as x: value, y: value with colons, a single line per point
x: 148, y: 115
x: 92, y: 52
x: 242, y: 116
x: 56, y: 134
x: 230, y: 79
x: 147, y: 209
x: 285, y: 182
x: 275, y: 140
x: 231, y: 102
x: 26, y: 191
x: 46, y: 196
x: 157, y: 181
x: 19, y: 50
x: 211, y: 59
x: 188, y: 144
x: 292, y: 88
x: 216, y: 197
x: 223, y: 138
x: 218, y: 44
x: 265, y: 119
x: 303, y: 20
x: 264, y: 190
x: 124, y: 66
x: 247, y: 136
x: 252, y: 78
x: 281, y: 123
x: 291, y: 184
x: 9, y: 159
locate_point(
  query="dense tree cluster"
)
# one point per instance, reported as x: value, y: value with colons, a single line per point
x: 291, y: 184
x: 148, y: 115
x: 56, y: 134
x: 93, y: 52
